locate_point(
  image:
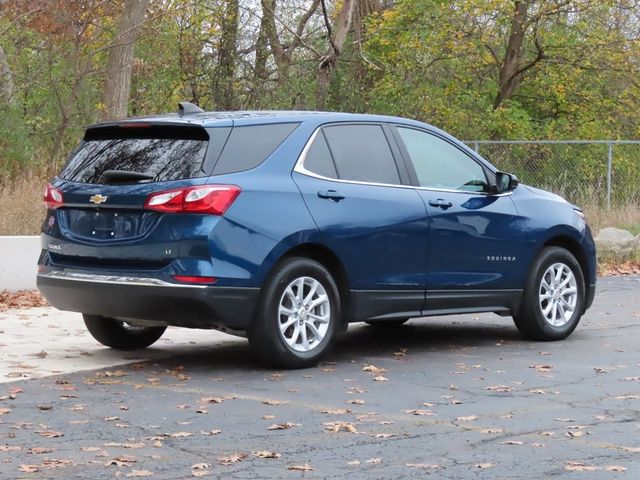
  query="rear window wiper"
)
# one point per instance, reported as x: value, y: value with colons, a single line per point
x: 122, y: 176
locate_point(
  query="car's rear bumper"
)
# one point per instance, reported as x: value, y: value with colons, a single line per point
x: 194, y: 306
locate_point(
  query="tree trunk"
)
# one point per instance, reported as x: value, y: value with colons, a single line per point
x: 510, y: 73
x: 7, y: 87
x: 120, y: 62
x: 336, y: 39
x: 223, y: 82
x: 260, y: 73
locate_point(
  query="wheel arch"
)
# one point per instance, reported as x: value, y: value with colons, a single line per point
x: 573, y: 247
x: 328, y: 259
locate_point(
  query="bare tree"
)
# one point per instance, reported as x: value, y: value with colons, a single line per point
x: 337, y: 36
x: 120, y: 63
x: 224, y: 76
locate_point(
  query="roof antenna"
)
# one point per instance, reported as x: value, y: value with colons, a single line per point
x: 188, y: 108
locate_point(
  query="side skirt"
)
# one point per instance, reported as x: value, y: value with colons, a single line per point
x: 383, y: 305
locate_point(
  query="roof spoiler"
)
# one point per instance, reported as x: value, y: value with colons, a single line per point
x: 188, y: 108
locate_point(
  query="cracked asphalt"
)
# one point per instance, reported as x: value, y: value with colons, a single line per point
x: 451, y: 397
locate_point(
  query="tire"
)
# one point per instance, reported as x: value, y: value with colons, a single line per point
x: 536, y: 318
x: 273, y: 336
x: 118, y: 335
x: 388, y: 323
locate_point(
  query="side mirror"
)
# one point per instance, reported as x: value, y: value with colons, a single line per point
x: 505, y: 182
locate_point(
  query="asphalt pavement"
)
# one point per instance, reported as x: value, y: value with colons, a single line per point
x: 450, y: 397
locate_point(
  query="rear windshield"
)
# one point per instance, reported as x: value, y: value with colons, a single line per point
x: 166, y: 153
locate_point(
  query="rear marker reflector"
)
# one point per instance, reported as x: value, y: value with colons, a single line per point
x: 194, y: 279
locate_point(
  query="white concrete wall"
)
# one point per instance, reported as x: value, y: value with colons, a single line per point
x: 18, y: 262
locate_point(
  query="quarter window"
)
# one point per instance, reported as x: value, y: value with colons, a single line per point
x: 362, y: 153
x: 439, y: 164
x: 318, y: 159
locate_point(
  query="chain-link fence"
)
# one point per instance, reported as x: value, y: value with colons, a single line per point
x: 603, y: 172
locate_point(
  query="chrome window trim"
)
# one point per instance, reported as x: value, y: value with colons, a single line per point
x: 115, y: 280
x: 299, y: 168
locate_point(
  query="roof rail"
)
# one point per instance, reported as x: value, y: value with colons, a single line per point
x: 188, y: 108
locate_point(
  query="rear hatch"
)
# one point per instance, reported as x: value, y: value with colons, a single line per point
x: 104, y: 187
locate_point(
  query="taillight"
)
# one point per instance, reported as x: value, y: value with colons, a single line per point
x: 211, y: 199
x: 52, y: 197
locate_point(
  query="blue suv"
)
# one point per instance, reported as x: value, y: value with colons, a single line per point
x: 286, y: 226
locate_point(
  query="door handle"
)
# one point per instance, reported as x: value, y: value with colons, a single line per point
x: 443, y: 204
x: 331, y: 195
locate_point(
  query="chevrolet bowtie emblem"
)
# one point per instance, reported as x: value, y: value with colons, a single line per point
x: 97, y: 199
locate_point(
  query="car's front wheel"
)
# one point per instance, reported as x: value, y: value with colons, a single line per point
x: 553, y: 297
x: 121, y: 335
x: 298, y: 315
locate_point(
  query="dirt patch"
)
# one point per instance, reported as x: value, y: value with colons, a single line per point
x: 625, y: 268
x: 21, y: 299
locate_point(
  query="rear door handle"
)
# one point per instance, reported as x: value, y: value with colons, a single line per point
x: 443, y: 204
x: 331, y: 195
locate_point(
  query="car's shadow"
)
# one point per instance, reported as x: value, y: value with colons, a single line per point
x: 360, y: 343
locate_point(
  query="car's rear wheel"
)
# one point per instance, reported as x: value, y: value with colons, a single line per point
x: 121, y: 335
x: 554, y: 296
x: 297, y: 316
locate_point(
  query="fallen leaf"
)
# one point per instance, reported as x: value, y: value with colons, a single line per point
x: 139, y: 473
x: 375, y: 461
x: 39, y: 450
x: 381, y: 379
x: 499, y: 388
x: 335, y: 427
x: 301, y: 468
x: 615, y: 468
x: 576, y: 434
x: 274, y: 402
x: 469, y: 418
x: 29, y: 468
x: 266, y: 454
x: 9, y: 448
x: 50, y: 433
x: 336, y: 411
x: 419, y: 412
x: 373, y: 369
x: 283, y: 426
x: 231, y: 459
x: 4, y: 411
x: 580, y: 467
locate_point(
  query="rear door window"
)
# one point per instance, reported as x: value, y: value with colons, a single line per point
x: 362, y: 153
x: 166, y: 153
x: 249, y: 146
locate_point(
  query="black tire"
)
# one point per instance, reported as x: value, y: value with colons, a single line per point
x: 530, y: 319
x: 388, y: 323
x: 118, y: 335
x: 265, y: 337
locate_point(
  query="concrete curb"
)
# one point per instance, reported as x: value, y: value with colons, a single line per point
x: 18, y: 259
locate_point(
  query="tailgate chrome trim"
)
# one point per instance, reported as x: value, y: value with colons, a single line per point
x: 115, y: 279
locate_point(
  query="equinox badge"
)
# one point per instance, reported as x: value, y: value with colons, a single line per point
x: 97, y: 199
